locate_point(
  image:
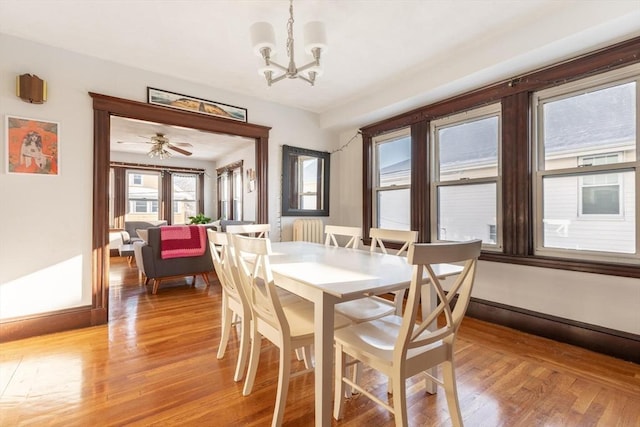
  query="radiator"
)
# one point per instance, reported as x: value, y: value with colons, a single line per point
x: 308, y: 230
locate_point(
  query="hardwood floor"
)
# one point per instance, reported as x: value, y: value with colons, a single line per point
x: 155, y: 364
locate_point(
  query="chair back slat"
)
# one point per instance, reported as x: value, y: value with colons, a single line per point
x: 224, y: 265
x: 380, y: 235
x: 258, y: 280
x: 354, y: 233
x: 414, y: 334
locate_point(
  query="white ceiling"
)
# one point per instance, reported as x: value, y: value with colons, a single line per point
x: 384, y: 57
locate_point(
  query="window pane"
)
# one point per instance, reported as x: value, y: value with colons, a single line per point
x: 607, y: 222
x: 469, y: 150
x: 394, y: 162
x: 142, y: 195
x: 467, y: 212
x: 584, y: 124
x: 309, y: 202
x: 184, y: 197
x: 393, y: 209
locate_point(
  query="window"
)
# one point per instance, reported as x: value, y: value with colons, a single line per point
x: 184, y: 196
x: 466, y: 177
x: 587, y: 165
x: 392, y: 185
x: 143, y: 195
x: 565, y: 178
x: 230, y: 191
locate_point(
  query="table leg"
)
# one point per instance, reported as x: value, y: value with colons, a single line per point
x: 428, y: 300
x: 323, y: 342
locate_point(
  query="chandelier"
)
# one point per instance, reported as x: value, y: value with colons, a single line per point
x: 263, y: 39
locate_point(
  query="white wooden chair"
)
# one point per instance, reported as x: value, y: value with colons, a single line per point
x: 253, y: 230
x: 236, y: 309
x: 406, y: 237
x: 355, y: 234
x: 288, y: 327
x: 399, y: 346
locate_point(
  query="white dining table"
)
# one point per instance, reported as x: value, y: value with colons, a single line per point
x: 327, y: 276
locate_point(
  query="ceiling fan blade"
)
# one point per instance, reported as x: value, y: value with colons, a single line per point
x: 182, y: 144
x: 179, y: 150
x: 133, y: 142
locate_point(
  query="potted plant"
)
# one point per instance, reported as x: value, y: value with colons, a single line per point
x: 199, y: 219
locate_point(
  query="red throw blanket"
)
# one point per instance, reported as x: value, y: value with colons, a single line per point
x: 177, y: 241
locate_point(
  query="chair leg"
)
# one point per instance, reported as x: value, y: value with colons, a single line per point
x: 254, y: 358
x: 243, y: 353
x: 339, y: 389
x: 283, y: 384
x: 193, y: 281
x: 400, y: 400
x: 156, y: 285
x: 451, y: 390
x: 205, y: 277
x: 398, y: 300
x: 307, y: 357
x: 356, y: 371
x: 226, y: 329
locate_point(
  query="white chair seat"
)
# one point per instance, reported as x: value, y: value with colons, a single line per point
x: 377, y: 339
x: 364, y: 309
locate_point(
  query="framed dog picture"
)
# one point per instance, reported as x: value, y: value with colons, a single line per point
x: 33, y: 146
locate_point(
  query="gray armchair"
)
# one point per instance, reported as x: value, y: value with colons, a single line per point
x: 154, y: 267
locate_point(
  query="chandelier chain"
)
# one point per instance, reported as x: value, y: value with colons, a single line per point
x: 290, y: 32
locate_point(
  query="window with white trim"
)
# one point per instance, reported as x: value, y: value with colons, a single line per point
x: 184, y: 195
x: 143, y: 195
x: 466, y: 184
x: 392, y: 180
x: 586, y: 179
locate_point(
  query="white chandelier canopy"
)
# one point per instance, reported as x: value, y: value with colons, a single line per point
x: 264, y: 42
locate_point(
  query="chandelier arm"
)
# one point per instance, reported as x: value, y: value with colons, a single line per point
x: 300, y: 76
x: 275, y: 64
x: 280, y: 77
x: 309, y: 65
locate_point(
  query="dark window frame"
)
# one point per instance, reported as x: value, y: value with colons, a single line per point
x: 517, y: 203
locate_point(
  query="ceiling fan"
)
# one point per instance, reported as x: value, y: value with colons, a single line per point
x: 160, y: 145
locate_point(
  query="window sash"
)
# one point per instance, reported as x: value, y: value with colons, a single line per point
x: 606, y: 164
x: 379, y: 187
x: 441, y: 181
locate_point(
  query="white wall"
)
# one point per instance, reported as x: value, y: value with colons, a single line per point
x: 45, y: 221
x: 607, y: 301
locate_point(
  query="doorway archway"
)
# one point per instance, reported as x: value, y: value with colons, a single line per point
x: 106, y: 106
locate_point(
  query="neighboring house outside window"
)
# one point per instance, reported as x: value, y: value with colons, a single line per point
x: 184, y: 195
x: 587, y: 165
x: 143, y: 195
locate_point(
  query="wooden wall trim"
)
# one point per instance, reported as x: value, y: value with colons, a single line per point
x: 614, y: 343
x: 51, y: 322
